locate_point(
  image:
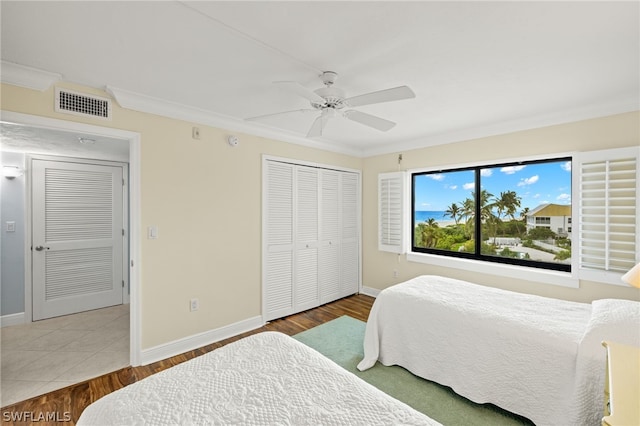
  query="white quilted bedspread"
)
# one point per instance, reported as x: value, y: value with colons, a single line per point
x: 265, y: 379
x: 538, y: 357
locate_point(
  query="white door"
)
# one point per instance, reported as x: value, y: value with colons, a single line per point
x: 306, y: 224
x: 329, y: 268
x: 350, y: 227
x: 77, y: 237
x: 278, y: 240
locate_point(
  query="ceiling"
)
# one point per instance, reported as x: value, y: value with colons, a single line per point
x: 477, y: 68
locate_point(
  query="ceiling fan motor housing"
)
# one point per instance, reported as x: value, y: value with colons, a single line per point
x: 333, y: 98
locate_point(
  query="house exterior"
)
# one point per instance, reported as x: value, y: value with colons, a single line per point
x: 556, y: 217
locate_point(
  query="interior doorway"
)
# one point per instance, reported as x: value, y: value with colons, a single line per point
x: 29, y: 127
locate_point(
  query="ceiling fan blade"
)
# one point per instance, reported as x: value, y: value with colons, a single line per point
x: 387, y: 95
x: 318, y: 126
x: 257, y: 117
x: 369, y: 120
x: 301, y: 90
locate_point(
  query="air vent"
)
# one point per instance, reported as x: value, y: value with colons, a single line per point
x: 70, y: 102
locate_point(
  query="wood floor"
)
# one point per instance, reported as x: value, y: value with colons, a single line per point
x: 66, y: 405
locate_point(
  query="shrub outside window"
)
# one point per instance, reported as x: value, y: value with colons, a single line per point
x: 515, y: 213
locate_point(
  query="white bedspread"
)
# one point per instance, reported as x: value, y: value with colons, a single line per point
x: 538, y: 357
x: 265, y: 379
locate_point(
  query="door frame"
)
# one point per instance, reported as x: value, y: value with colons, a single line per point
x: 134, y: 258
x: 29, y: 211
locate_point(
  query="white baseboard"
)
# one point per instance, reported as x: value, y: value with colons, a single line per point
x: 373, y: 292
x: 12, y: 319
x: 186, y: 344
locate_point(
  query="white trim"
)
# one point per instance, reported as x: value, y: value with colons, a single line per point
x: 134, y: 140
x: 620, y: 106
x: 23, y: 76
x: 189, y: 343
x: 370, y: 291
x: 541, y: 276
x: 266, y: 157
x: 12, y: 319
x: 139, y: 102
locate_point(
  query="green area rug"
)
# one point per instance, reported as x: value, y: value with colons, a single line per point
x: 341, y: 341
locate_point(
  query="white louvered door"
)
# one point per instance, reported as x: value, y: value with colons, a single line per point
x: 278, y: 235
x: 311, y: 237
x: 329, y: 271
x: 306, y: 220
x: 77, y: 237
x: 350, y: 234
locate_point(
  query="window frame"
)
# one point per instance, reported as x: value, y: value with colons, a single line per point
x: 477, y: 255
x: 537, y: 275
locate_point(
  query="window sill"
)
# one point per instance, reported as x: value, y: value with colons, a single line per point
x: 564, y: 279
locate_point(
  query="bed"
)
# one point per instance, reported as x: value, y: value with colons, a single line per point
x: 267, y: 378
x: 538, y: 357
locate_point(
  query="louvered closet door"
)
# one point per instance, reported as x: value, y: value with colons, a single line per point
x: 278, y: 222
x: 350, y: 232
x: 329, y: 270
x: 77, y: 241
x: 306, y: 219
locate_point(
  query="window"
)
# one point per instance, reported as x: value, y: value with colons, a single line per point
x: 502, y: 213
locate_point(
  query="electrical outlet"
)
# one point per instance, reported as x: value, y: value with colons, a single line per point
x: 195, y: 304
x: 395, y: 273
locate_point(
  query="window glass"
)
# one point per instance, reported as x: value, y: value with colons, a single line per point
x: 510, y: 213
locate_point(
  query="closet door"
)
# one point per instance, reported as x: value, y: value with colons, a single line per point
x: 278, y: 248
x: 306, y: 293
x: 350, y: 234
x: 329, y: 271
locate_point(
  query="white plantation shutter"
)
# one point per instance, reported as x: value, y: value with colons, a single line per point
x: 609, y: 236
x: 390, y: 212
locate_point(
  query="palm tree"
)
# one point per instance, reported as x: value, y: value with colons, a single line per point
x: 454, y: 212
x: 469, y: 213
x: 432, y: 233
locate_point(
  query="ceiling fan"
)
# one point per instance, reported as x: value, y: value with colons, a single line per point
x: 331, y: 101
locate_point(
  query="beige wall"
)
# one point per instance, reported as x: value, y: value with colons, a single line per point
x: 609, y: 132
x: 205, y: 198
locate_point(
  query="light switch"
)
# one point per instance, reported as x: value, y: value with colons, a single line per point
x: 11, y: 226
x: 152, y: 232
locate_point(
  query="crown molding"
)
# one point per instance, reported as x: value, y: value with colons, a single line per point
x: 619, y: 106
x: 143, y: 103
x: 31, y: 78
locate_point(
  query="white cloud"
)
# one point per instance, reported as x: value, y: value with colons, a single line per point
x: 453, y: 187
x: 437, y: 176
x: 468, y: 186
x: 529, y: 181
x: 511, y: 169
x: 536, y: 196
x: 486, y: 172
x: 564, y: 197
x: 566, y: 166
x: 425, y: 204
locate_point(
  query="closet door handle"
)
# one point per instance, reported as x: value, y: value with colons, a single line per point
x: 40, y: 248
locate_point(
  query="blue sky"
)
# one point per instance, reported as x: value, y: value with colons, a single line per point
x: 534, y: 183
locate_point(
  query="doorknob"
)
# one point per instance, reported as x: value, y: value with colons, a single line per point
x: 40, y: 248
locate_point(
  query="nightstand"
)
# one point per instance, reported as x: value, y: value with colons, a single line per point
x: 622, y: 389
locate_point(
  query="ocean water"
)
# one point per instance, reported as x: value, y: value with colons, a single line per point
x: 424, y: 215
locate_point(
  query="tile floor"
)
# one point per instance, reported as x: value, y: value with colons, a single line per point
x: 46, y: 355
